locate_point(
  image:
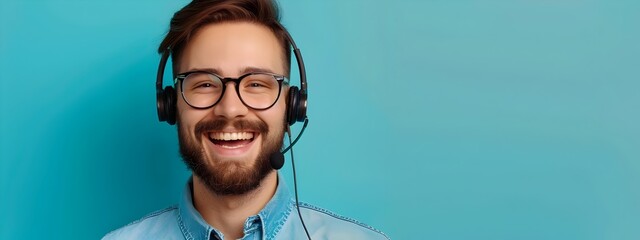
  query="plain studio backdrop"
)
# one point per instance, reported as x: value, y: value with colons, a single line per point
x: 442, y: 119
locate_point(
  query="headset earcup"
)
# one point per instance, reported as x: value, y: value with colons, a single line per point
x: 296, y: 106
x: 301, y: 112
x: 162, y: 116
x: 292, y: 105
x: 169, y: 95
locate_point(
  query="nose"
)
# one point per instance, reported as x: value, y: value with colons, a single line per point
x: 230, y: 105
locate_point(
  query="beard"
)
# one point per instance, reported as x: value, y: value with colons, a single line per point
x: 229, y: 177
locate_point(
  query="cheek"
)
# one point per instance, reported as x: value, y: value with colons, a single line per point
x: 275, y: 116
x: 281, y: 109
x: 182, y: 110
x: 187, y: 117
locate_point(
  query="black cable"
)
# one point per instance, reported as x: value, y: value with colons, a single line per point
x: 304, y: 126
x: 295, y: 184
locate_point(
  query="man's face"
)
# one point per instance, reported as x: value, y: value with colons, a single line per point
x: 231, y: 166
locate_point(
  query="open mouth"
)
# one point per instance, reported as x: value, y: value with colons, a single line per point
x: 231, y: 140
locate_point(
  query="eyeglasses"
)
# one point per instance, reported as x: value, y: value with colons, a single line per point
x: 202, y: 90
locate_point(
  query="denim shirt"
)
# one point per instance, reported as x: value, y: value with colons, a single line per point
x: 278, y: 220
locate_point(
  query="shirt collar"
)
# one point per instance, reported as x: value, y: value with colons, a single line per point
x: 271, y: 217
x: 277, y: 210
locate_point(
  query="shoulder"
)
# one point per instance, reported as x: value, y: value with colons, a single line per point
x: 330, y: 225
x: 159, y: 223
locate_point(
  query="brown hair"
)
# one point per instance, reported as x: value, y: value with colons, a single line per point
x: 199, y: 13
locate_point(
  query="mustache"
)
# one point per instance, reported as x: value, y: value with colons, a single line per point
x: 217, y: 125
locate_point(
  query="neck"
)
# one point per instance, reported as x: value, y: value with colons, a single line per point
x: 227, y: 213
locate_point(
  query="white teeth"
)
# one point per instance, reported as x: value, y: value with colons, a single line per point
x: 226, y: 136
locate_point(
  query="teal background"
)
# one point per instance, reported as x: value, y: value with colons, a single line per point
x: 432, y: 119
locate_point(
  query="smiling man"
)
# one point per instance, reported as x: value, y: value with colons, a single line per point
x: 231, y: 101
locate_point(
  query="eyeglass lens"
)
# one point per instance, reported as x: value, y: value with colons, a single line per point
x: 203, y: 90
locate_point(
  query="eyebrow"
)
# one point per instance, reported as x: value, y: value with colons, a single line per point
x: 244, y: 70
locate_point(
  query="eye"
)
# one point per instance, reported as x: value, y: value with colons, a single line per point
x: 256, y: 85
x: 204, y: 85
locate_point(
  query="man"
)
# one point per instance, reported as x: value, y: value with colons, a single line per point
x: 231, y: 58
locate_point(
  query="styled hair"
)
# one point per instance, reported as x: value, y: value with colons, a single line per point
x: 188, y: 20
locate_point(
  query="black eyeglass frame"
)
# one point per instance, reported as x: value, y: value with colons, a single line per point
x: 279, y: 78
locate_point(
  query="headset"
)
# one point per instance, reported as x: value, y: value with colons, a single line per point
x: 166, y: 99
x: 166, y: 103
